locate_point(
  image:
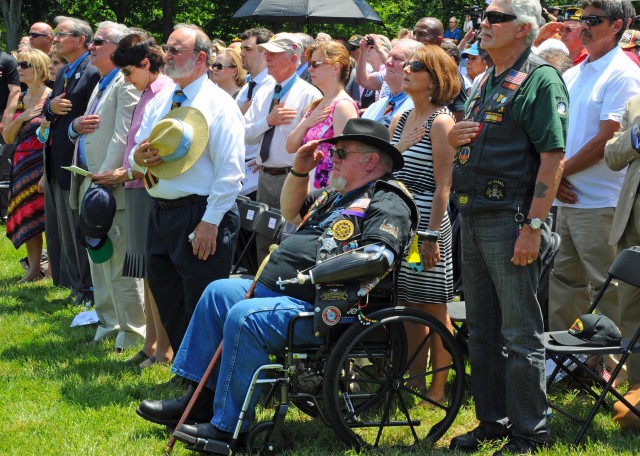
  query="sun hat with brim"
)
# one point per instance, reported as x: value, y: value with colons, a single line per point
x: 630, y: 39
x: 354, y: 40
x: 369, y: 132
x: 282, y: 42
x: 180, y: 138
x: 97, y: 211
x: 592, y: 330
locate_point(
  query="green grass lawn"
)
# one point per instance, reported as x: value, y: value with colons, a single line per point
x: 60, y: 396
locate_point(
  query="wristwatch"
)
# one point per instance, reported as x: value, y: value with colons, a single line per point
x: 130, y: 174
x: 636, y: 131
x: 431, y: 235
x: 534, y: 223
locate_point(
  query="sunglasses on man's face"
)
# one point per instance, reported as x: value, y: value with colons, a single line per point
x: 24, y: 65
x: 57, y: 34
x: 594, y: 19
x: 100, y: 42
x: 340, y: 153
x: 34, y: 35
x: 176, y: 51
x: 496, y: 17
x: 416, y: 65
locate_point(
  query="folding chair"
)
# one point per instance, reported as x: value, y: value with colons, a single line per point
x: 249, y: 212
x: 567, y: 358
x: 269, y: 224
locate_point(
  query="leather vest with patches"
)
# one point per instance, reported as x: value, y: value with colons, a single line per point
x: 498, y: 170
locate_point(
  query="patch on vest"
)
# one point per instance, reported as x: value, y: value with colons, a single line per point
x: 561, y: 106
x: 494, y: 189
x: 463, y: 157
x: 348, y: 246
x: 500, y: 98
x: 342, y: 230
x: 463, y: 200
x: 333, y: 295
x: 494, y: 117
x: 509, y: 85
x: 328, y: 245
x: 331, y: 315
x: 389, y: 228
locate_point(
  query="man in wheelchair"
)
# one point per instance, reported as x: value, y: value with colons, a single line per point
x: 349, y: 236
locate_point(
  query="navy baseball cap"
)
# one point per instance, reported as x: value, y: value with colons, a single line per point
x: 97, y: 211
x: 591, y: 330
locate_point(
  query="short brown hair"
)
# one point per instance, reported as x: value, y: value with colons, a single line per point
x: 39, y: 61
x: 443, y: 71
x: 334, y: 53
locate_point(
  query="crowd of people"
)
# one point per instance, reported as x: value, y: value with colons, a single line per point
x: 129, y: 156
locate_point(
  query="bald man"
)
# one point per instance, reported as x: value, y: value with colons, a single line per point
x: 41, y: 37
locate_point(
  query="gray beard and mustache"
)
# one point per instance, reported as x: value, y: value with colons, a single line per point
x: 338, y: 183
x: 175, y: 72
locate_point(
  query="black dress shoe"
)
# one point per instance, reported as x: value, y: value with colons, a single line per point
x: 519, y: 445
x: 471, y: 441
x: 206, y: 437
x: 169, y: 412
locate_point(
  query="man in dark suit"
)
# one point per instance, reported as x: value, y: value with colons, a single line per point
x: 68, y: 100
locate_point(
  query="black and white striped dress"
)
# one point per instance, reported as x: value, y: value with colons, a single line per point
x: 436, y: 285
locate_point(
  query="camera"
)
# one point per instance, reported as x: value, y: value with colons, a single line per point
x: 370, y: 41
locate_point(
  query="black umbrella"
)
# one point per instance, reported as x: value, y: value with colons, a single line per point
x: 321, y: 11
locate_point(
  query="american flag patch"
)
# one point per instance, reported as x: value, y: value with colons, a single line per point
x: 515, y: 77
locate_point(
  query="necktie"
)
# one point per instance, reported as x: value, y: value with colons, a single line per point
x: 178, y: 98
x: 268, y: 135
x: 389, y: 108
x: 252, y: 85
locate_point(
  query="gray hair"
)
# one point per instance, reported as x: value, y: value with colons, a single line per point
x: 528, y: 12
x: 614, y: 9
x: 408, y: 46
x: 202, y: 43
x: 557, y: 59
x: 385, y: 160
x: 115, y: 31
x: 78, y: 27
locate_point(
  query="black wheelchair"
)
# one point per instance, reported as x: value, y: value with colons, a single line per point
x: 367, y: 381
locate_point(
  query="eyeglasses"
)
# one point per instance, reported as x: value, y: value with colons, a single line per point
x: 221, y: 66
x: 568, y: 30
x: 594, y: 19
x: 24, y: 65
x: 496, y: 17
x: 316, y: 63
x: 34, y: 35
x: 340, y: 153
x: 177, y: 51
x: 416, y: 65
x: 127, y: 71
x: 100, y: 42
x: 57, y: 34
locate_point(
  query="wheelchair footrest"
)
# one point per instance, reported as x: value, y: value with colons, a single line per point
x: 203, y: 445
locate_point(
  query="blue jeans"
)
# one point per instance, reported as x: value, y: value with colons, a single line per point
x: 505, y: 328
x: 250, y: 329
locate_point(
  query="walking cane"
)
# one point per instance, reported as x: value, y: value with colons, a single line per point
x: 212, y: 364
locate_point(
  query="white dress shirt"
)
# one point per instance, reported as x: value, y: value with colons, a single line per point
x: 264, y: 86
x: 299, y: 97
x: 218, y: 172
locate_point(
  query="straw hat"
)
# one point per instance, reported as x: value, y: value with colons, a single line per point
x: 180, y: 138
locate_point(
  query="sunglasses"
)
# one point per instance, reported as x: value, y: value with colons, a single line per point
x: 100, y: 42
x: 340, y: 153
x: 55, y: 34
x: 496, y: 17
x: 34, y: 35
x: 594, y: 20
x: 24, y: 65
x: 416, y: 65
x: 127, y: 71
x: 221, y: 66
x: 317, y: 63
x: 177, y: 51
x: 568, y: 30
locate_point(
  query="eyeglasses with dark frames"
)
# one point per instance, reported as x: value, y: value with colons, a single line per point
x: 100, y: 42
x: 126, y: 71
x: 221, y: 66
x: 24, y: 65
x: 497, y: 17
x: 56, y: 34
x: 594, y: 19
x: 35, y: 35
x: 177, y: 51
x: 341, y: 153
x: 416, y: 65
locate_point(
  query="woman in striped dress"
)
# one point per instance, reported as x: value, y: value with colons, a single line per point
x: 431, y: 80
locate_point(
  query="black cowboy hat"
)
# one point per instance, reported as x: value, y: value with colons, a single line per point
x: 369, y: 132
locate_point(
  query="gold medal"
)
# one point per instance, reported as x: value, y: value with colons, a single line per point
x: 342, y: 230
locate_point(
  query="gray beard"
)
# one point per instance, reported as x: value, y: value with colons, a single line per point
x: 174, y: 72
x: 339, y: 183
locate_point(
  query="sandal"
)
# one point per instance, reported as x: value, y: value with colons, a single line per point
x: 151, y: 361
x: 138, y: 358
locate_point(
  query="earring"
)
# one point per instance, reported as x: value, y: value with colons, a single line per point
x: 430, y: 98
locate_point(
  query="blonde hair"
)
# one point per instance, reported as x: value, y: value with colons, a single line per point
x: 241, y: 76
x: 335, y: 54
x: 39, y: 61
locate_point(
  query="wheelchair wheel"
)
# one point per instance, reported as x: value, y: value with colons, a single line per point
x: 262, y: 441
x: 375, y: 382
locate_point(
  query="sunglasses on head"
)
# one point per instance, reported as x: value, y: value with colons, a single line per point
x: 340, y: 153
x: 221, y: 66
x: 594, y: 19
x: 36, y: 35
x: 416, y: 65
x: 177, y: 51
x: 496, y: 17
x: 24, y: 65
x: 317, y: 63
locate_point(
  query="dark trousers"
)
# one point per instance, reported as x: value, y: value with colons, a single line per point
x: 176, y: 276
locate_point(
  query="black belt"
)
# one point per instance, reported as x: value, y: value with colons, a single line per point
x: 276, y: 171
x: 179, y: 202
